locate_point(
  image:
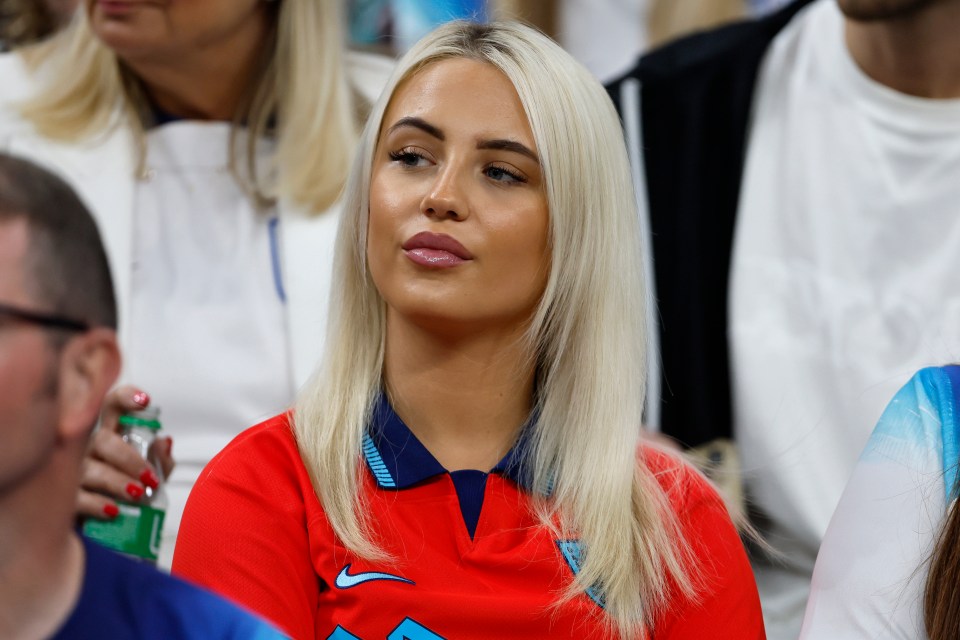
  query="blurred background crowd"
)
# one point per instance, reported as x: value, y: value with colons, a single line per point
x: 606, y: 35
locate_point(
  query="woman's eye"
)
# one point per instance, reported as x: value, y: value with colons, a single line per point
x: 501, y: 174
x: 408, y: 157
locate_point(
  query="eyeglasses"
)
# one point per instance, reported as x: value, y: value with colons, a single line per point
x: 43, y: 319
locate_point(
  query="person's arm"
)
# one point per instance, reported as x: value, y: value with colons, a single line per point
x: 727, y: 606
x: 870, y: 573
x: 245, y: 532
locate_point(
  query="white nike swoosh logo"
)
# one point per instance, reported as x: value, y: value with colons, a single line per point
x: 345, y: 580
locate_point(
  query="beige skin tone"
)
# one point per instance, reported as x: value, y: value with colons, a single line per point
x: 196, y: 59
x: 456, y: 366
x: 49, y: 402
x: 910, y: 46
x: 63, y: 9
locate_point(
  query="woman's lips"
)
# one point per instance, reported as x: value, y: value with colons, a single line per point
x: 436, y: 250
x: 434, y: 258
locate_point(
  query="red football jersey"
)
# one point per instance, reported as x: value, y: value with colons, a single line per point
x: 255, y: 531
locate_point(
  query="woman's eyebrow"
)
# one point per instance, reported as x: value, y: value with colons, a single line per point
x: 418, y: 123
x: 436, y: 132
x: 509, y: 145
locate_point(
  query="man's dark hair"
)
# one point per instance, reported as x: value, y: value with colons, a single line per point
x: 67, y: 269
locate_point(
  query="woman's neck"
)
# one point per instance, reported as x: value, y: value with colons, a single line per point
x: 205, y: 85
x: 465, y: 398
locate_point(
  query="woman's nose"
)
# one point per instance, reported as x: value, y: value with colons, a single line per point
x: 445, y: 199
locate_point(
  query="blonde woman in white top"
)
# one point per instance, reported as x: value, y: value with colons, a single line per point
x: 211, y: 140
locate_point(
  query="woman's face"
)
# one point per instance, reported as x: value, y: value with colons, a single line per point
x: 157, y: 31
x: 458, y: 227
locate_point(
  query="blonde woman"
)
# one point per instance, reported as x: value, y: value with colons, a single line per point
x: 466, y: 462
x: 210, y: 139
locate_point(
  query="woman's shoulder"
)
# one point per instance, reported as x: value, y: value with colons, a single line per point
x: 259, y: 474
x: 940, y: 386
x: 921, y: 413
x: 892, y: 509
x: 727, y: 595
x: 274, y: 434
x: 683, y: 484
x: 920, y: 427
x: 935, y: 382
x: 265, y: 449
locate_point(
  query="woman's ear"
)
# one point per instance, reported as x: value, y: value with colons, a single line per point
x: 89, y: 365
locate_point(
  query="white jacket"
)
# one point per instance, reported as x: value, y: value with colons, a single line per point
x: 103, y: 171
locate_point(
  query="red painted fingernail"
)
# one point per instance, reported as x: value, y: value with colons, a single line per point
x: 149, y: 479
x: 141, y: 398
x: 134, y: 490
x: 111, y: 510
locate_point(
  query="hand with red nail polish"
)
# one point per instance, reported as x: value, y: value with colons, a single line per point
x: 149, y: 479
x: 112, y: 470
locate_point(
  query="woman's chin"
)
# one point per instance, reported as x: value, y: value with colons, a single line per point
x: 129, y: 42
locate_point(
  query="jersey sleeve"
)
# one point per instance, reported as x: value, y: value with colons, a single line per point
x: 245, y: 533
x: 869, y: 577
x: 728, y: 605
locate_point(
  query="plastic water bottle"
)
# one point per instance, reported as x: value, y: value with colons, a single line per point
x: 137, y: 530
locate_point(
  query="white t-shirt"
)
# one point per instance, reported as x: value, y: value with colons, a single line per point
x: 844, y: 280
x: 606, y: 36
x: 208, y: 337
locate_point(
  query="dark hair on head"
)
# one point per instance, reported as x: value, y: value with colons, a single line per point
x: 67, y: 269
x: 941, y: 598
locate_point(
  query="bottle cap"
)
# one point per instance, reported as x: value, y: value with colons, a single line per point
x: 149, y: 418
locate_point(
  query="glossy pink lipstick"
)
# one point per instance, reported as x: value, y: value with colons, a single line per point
x: 436, y: 250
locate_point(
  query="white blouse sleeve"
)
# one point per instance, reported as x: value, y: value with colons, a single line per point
x: 872, y: 566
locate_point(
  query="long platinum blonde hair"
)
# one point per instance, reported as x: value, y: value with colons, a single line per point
x: 586, y: 337
x: 300, y: 88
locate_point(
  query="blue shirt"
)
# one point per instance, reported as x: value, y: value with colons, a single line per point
x: 122, y: 598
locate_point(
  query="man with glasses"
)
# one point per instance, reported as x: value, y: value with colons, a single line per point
x: 58, y: 358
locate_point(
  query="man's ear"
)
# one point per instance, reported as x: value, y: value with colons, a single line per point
x: 89, y: 365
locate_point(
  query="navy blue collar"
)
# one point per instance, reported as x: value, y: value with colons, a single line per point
x: 398, y: 460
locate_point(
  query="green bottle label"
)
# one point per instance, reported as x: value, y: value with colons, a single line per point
x: 136, y: 531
